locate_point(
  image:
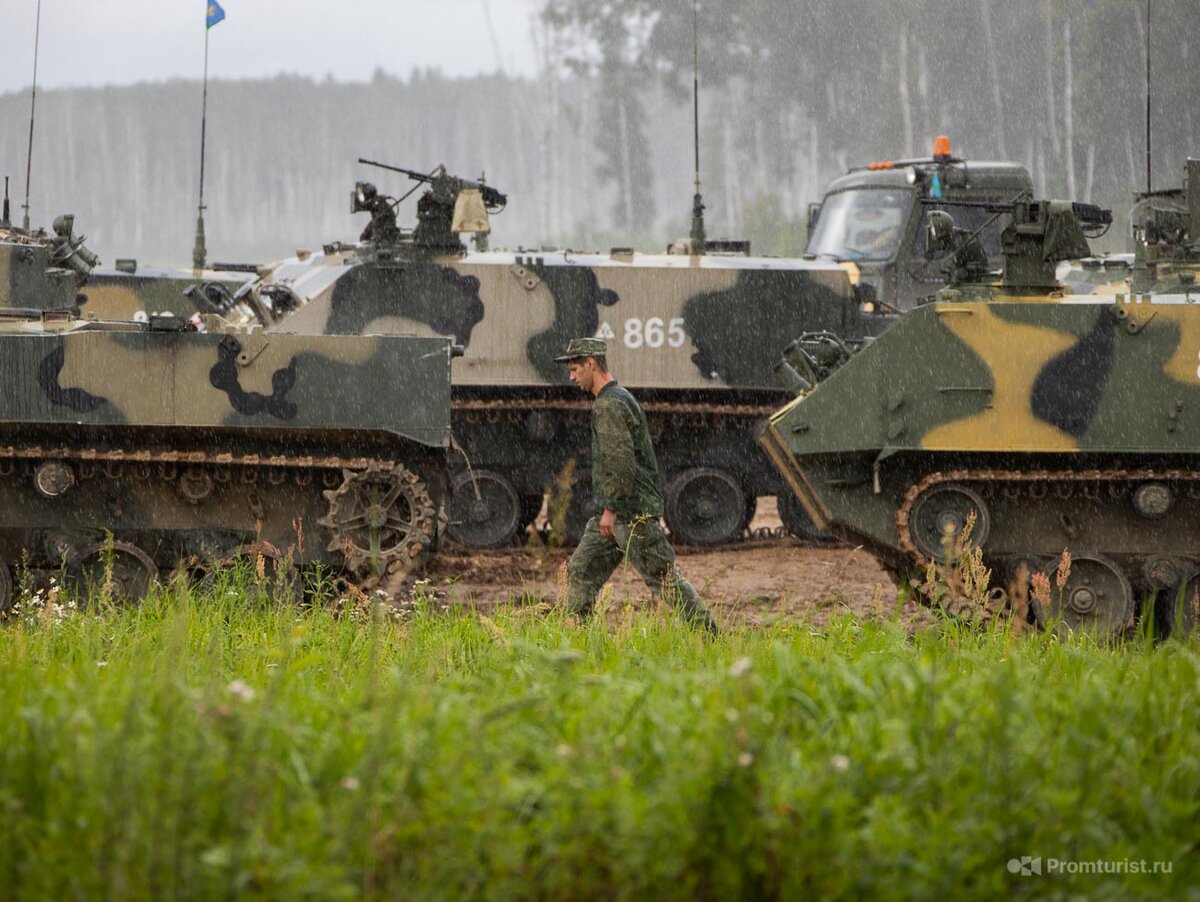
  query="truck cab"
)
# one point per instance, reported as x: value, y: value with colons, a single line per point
x: 875, y: 217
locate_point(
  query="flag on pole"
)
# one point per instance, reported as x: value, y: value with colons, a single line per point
x: 215, y: 13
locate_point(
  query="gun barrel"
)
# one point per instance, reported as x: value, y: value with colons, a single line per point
x: 417, y: 176
x: 994, y: 206
x: 1087, y: 214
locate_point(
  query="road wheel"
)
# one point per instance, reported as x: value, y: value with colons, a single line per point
x: 705, y: 506
x: 484, y: 510
x: 257, y: 569
x: 939, y: 516
x: 1096, y: 597
x: 116, y: 572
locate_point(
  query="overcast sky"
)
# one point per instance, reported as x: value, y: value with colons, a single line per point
x: 95, y: 42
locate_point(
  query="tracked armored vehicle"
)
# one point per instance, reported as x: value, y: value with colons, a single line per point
x: 1048, y: 420
x: 128, y: 448
x: 875, y: 216
x: 685, y: 332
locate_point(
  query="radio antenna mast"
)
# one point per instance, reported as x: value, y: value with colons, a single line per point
x: 697, y: 235
x: 1149, y: 186
x: 37, y: 35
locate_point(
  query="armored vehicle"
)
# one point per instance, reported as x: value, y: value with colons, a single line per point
x: 687, y: 332
x: 129, y: 447
x: 1047, y: 420
x: 875, y: 217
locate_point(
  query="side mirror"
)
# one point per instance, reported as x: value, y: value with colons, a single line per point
x: 814, y: 212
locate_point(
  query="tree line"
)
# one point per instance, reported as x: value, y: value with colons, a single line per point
x: 596, y: 150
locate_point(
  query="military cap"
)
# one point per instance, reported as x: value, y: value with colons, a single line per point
x: 583, y: 347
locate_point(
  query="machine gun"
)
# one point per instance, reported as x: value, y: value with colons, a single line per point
x: 1039, y: 235
x: 452, y: 205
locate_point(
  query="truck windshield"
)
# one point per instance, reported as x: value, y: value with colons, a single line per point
x: 862, y: 224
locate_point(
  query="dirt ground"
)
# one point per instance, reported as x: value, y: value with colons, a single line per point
x: 758, y: 582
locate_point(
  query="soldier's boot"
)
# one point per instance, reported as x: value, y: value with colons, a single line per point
x: 682, y: 595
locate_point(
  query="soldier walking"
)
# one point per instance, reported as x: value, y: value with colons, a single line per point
x: 625, y: 488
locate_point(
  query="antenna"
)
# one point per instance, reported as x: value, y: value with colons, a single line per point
x: 697, y: 235
x: 199, y: 251
x: 1149, y: 186
x: 37, y: 35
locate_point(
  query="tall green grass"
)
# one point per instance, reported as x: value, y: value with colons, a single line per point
x: 201, y: 746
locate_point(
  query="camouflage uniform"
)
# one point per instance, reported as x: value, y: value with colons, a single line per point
x: 625, y: 481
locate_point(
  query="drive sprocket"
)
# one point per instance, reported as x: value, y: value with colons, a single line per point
x: 382, y: 519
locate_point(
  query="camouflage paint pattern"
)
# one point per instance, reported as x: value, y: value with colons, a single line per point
x: 1055, y: 421
x: 672, y: 322
x: 116, y: 294
x: 1051, y: 420
x: 193, y: 443
x: 692, y: 335
x: 77, y: 374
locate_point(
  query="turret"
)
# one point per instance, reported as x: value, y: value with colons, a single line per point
x: 1039, y: 236
x: 40, y: 271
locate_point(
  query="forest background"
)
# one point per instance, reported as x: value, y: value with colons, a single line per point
x: 596, y: 149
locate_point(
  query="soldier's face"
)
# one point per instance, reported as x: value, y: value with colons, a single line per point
x: 582, y: 373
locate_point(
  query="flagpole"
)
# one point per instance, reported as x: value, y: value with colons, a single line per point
x: 199, y: 252
x: 37, y: 35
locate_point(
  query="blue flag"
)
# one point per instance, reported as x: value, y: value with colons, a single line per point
x: 215, y: 13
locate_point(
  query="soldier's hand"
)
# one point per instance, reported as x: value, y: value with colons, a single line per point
x: 608, y: 520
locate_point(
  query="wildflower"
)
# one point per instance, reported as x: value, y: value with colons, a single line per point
x: 1040, y: 588
x: 740, y: 667
x: 241, y: 690
x: 745, y: 759
x: 1064, y: 568
x: 732, y: 715
x: 350, y: 784
x: 101, y: 663
x: 840, y: 762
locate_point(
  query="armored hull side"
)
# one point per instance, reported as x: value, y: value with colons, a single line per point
x: 129, y: 448
x: 1053, y: 425
x: 694, y: 336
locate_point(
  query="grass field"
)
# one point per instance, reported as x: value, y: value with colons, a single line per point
x: 203, y: 746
